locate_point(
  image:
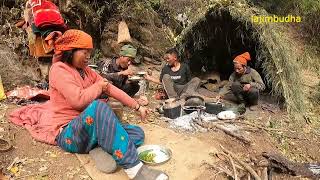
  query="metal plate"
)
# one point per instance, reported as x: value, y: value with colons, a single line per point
x: 93, y: 66
x: 141, y: 73
x: 161, y: 154
x: 134, y: 78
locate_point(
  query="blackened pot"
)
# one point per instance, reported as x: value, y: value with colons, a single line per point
x: 214, y: 108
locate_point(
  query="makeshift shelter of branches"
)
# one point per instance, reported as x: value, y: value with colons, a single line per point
x: 227, y: 29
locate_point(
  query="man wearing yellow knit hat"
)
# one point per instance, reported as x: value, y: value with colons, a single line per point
x: 245, y: 83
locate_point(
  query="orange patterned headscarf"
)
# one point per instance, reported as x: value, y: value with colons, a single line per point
x: 242, y: 58
x: 71, y: 39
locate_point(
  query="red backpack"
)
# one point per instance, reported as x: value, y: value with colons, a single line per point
x: 46, y: 13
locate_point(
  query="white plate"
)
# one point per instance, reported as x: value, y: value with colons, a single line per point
x: 227, y: 115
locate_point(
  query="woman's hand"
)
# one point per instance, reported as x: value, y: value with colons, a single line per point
x: 104, y: 84
x: 143, y: 113
x: 143, y: 101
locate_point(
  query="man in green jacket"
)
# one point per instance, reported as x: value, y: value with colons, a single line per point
x: 245, y: 83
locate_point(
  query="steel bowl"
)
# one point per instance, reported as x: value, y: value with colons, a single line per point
x: 162, y: 154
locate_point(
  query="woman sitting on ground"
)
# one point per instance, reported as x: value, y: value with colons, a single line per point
x: 76, y: 121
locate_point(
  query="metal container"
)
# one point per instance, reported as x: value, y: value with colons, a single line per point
x: 194, y: 101
x: 214, y: 107
x: 190, y: 109
x: 160, y: 154
x: 172, y: 108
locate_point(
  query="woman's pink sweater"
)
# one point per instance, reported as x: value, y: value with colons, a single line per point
x: 70, y: 94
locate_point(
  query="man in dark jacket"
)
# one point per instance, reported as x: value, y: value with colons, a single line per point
x: 117, y: 70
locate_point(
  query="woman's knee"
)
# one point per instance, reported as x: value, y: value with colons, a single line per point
x: 140, y: 132
x: 136, y: 134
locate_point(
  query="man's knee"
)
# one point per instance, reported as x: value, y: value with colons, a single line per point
x: 253, y: 91
x: 195, y: 80
x: 253, y: 96
x: 166, y: 78
x: 236, y: 87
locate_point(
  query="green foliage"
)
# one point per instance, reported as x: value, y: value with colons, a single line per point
x: 309, y: 10
x: 97, y: 54
x: 284, y: 7
x: 155, y: 4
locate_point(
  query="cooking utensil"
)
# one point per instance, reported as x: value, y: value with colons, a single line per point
x: 172, y: 108
x: 190, y: 109
x: 214, y: 107
x: 194, y: 101
x: 154, y: 154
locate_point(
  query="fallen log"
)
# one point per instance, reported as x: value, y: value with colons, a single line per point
x: 218, y: 125
x: 233, y: 134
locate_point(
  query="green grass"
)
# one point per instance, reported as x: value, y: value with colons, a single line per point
x: 309, y: 10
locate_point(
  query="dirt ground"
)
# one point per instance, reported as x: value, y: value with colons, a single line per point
x: 296, y: 140
x: 193, y: 152
x: 41, y: 161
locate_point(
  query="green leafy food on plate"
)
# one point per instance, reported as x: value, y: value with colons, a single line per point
x: 147, y: 156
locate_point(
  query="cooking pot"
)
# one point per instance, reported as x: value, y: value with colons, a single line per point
x: 193, y: 103
x: 190, y: 109
x: 214, y: 107
x: 172, y: 108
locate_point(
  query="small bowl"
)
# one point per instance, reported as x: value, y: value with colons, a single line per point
x: 162, y: 154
